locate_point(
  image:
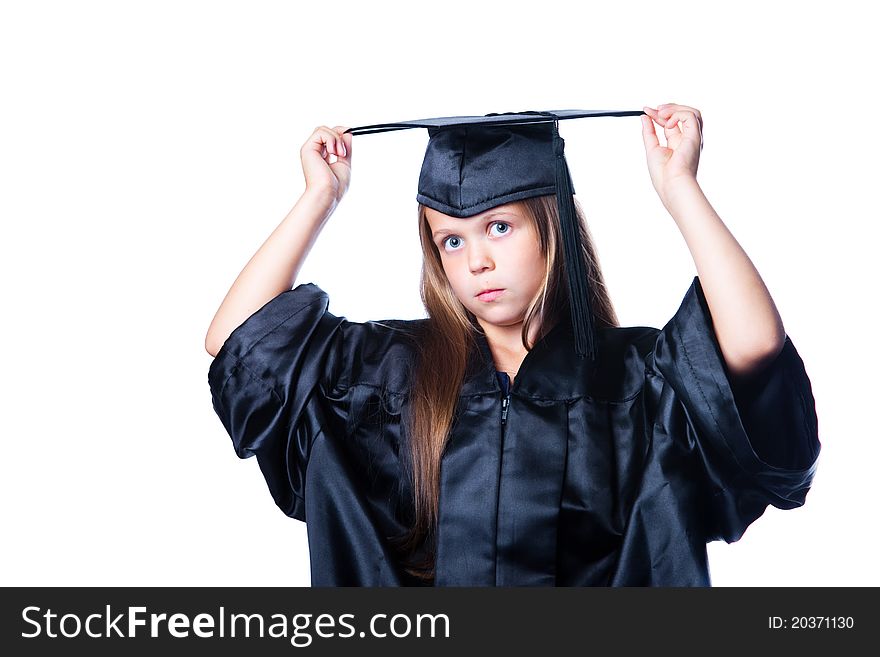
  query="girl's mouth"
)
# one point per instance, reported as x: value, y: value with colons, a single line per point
x: 490, y: 295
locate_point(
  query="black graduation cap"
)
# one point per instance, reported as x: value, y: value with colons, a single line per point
x: 474, y: 163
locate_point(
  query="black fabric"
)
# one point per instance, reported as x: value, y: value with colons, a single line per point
x: 503, y: 381
x: 467, y: 170
x: 610, y: 473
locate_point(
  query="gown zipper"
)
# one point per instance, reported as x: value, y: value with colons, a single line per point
x: 504, y: 382
x: 505, y: 404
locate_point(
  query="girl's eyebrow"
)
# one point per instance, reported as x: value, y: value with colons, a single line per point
x: 446, y: 231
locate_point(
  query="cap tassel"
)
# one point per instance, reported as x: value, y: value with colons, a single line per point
x: 578, y: 292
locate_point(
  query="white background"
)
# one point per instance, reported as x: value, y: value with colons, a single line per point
x: 149, y: 148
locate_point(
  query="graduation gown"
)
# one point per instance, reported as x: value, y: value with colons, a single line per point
x: 614, y: 473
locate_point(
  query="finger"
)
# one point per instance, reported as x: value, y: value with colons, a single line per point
x: 690, y: 126
x: 648, y: 133
x: 663, y: 123
x: 317, y: 142
x: 653, y: 115
x: 667, y: 109
x: 345, y: 140
x: 326, y: 141
x: 672, y: 107
x: 336, y: 142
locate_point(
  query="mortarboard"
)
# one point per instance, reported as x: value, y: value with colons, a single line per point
x: 474, y: 163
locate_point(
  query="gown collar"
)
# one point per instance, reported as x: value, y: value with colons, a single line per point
x: 551, y: 370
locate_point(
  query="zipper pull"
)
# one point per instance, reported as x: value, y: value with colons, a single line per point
x: 504, y: 404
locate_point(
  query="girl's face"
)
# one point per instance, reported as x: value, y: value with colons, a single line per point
x: 497, y: 249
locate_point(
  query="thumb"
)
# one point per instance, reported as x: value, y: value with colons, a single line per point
x: 346, y: 140
x: 649, y: 135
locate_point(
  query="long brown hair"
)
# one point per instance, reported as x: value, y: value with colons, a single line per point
x: 449, y: 335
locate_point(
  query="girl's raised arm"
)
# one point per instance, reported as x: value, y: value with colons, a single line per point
x: 274, y: 267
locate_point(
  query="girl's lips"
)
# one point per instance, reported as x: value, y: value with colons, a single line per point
x: 491, y: 295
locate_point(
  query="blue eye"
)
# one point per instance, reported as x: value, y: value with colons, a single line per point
x: 449, y: 239
x: 446, y: 241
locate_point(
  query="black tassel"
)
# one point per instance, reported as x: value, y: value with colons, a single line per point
x: 578, y: 291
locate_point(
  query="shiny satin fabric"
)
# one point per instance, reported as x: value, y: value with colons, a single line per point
x: 613, y: 473
x: 470, y: 169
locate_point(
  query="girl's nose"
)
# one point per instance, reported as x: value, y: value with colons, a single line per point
x: 480, y: 259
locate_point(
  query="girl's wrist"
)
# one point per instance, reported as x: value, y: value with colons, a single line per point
x: 320, y: 199
x: 678, y: 189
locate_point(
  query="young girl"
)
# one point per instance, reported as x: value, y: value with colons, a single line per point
x: 476, y: 446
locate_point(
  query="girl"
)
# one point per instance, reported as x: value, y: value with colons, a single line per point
x: 475, y: 446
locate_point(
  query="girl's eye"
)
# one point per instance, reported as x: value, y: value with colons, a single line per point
x: 451, y: 241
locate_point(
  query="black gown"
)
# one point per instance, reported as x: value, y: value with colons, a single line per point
x: 609, y: 474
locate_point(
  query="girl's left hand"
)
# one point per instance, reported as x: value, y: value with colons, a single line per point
x: 679, y: 159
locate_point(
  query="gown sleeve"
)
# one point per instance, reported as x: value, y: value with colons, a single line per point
x: 756, y: 443
x: 267, y: 385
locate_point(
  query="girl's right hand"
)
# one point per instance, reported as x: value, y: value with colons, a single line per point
x: 322, y: 177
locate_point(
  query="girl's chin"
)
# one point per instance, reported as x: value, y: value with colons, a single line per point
x: 501, y: 318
